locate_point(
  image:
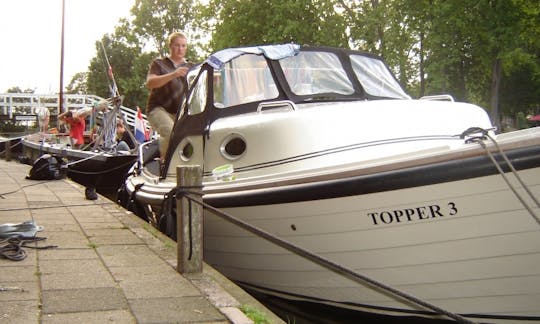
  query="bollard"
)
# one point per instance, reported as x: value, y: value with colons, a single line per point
x: 8, y: 150
x: 189, y: 221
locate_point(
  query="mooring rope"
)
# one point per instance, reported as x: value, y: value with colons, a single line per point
x: 480, y: 139
x: 85, y: 159
x: 12, y: 247
x: 188, y: 193
x: 14, y: 191
x: 8, y: 146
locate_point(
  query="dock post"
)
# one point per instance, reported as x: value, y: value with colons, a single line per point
x: 189, y: 220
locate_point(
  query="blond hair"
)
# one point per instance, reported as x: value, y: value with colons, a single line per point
x: 174, y: 36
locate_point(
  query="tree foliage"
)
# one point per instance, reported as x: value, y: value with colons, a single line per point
x: 134, y: 44
x: 243, y: 23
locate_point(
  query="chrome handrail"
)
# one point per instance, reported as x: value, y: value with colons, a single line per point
x: 275, y: 104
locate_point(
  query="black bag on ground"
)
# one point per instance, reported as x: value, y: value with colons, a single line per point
x: 47, y: 167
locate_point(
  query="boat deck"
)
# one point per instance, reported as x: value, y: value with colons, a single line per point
x: 108, y: 266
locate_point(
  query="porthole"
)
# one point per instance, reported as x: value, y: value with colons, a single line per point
x: 185, y: 150
x: 233, y: 147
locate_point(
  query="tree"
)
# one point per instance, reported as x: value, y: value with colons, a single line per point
x: 14, y: 90
x: 241, y: 23
x: 78, y: 84
x: 155, y: 20
x: 473, y: 44
x: 134, y: 44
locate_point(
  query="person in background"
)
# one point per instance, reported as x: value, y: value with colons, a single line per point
x: 167, y: 82
x: 124, y: 141
x: 42, y: 113
x: 77, y: 125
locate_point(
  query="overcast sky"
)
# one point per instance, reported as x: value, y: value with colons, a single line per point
x: 30, y: 34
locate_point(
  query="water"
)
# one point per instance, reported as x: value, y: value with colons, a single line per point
x: 302, y: 312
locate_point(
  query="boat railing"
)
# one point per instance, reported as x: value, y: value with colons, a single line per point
x: 443, y: 97
x: 17, y: 104
x: 140, y: 157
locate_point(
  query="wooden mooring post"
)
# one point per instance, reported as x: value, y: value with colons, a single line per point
x: 189, y: 220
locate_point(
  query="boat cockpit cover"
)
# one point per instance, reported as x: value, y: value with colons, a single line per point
x: 273, y: 52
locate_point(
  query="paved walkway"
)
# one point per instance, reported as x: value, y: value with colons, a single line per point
x: 109, y: 265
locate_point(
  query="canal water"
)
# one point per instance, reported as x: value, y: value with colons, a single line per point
x: 301, y: 312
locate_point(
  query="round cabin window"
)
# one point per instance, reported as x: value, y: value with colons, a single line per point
x: 186, y: 150
x: 233, y: 147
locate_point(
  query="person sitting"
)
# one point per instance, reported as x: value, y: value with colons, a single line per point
x: 124, y: 140
x: 77, y: 126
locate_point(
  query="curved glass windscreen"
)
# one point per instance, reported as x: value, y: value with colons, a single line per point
x: 375, y: 78
x: 197, y: 99
x: 310, y: 73
x: 246, y: 78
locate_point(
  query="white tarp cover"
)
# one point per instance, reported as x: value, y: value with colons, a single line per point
x: 273, y: 52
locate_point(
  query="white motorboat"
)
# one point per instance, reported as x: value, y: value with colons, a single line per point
x: 322, y: 148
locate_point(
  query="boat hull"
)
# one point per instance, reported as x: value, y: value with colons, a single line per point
x: 450, y: 232
x: 467, y: 246
x: 14, y: 146
x: 104, y: 171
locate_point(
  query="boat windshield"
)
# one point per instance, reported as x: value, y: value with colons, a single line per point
x: 310, y: 73
x: 375, y: 78
x: 246, y: 78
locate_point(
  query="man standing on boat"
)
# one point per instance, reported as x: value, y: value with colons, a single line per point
x: 167, y: 82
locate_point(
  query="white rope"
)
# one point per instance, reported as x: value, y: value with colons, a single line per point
x: 85, y: 159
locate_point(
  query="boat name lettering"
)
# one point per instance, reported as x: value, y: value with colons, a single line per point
x: 413, y: 214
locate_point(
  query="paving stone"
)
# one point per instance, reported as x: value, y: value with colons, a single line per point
x: 65, y: 239
x: 114, y: 316
x: 16, y: 271
x: 68, y: 254
x: 174, y: 310
x: 19, y: 312
x: 76, y: 280
x: 147, y: 282
x: 71, y: 265
x: 19, y: 290
x: 53, y: 216
x: 112, y: 236
x: 83, y: 300
x: 102, y: 225
x: 127, y: 255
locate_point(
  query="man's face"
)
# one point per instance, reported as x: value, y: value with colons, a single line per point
x: 178, y: 47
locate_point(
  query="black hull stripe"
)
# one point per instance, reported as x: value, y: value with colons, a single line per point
x: 524, y: 158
